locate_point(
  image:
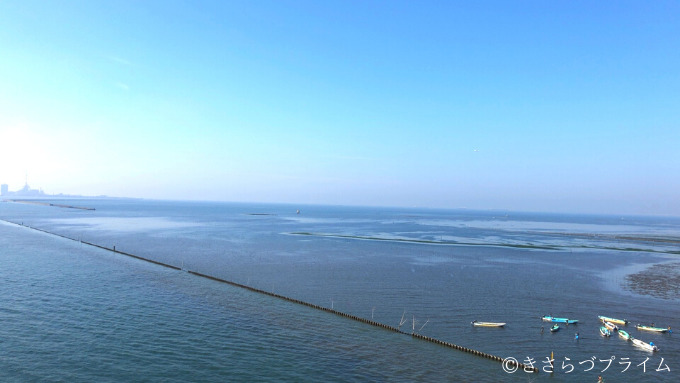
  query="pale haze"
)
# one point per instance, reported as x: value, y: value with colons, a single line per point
x: 555, y: 106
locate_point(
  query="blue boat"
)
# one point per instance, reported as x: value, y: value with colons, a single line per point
x: 548, y: 318
x: 605, y: 331
x: 555, y: 328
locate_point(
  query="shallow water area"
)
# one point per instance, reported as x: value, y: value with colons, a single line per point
x: 660, y: 280
x: 123, y: 224
x: 436, y: 289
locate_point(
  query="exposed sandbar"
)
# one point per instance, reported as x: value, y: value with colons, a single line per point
x: 659, y: 281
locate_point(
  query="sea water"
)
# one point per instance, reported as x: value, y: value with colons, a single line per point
x: 72, y: 312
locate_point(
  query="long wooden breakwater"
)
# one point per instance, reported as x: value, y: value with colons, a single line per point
x: 33, y: 202
x: 509, y: 362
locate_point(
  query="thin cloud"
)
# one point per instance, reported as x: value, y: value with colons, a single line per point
x: 123, y: 86
x: 354, y: 158
x: 119, y: 60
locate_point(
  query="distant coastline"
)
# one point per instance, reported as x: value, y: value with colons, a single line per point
x: 27, y: 192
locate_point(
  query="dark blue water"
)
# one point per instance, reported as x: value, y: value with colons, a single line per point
x: 71, y: 312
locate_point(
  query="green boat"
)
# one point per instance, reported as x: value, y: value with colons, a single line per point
x: 555, y: 328
x: 625, y: 335
x: 652, y: 328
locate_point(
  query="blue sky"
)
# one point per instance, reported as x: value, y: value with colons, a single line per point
x: 561, y: 106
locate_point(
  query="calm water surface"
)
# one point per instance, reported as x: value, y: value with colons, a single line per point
x: 71, y: 312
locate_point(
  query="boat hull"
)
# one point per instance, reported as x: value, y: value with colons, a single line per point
x: 613, y: 320
x: 645, y: 345
x: 488, y: 324
x: 650, y: 328
x: 548, y: 318
x: 611, y: 326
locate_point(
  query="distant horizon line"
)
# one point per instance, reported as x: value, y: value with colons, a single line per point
x: 490, y: 210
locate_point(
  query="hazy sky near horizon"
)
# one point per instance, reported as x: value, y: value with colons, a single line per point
x: 567, y: 106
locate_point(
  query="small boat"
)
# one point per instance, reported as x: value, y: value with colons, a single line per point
x: 555, y: 328
x: 548, y: 318
x: 625, y: 335
x: 605, y: 331
x: 488, y: 324
x: 652, y: 328
x: 647, y: 346
x: 613, y: 320
x: 611, y: 326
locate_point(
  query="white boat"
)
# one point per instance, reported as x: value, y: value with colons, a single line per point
x: 488, y: 324
x: 611, y: 326
x: 647, y: 346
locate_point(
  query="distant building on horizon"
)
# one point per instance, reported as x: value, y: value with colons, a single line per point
x: 26, y: 191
